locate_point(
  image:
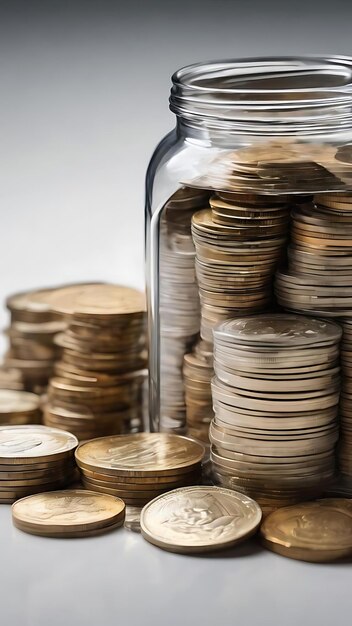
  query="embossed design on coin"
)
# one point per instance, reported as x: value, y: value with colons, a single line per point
x: 196, y: 519
x: 312, y: 531
x: 20, y: 442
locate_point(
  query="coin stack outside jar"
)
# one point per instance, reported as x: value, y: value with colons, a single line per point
x: 32, y: 330
x: 139, y: 467
x: 97, y: 389
x: 179, y: 301
x: 34, y: 459
x: 239, y: 242
x: 19, y: 407
x: 276, y: 394
x: 197, y: 374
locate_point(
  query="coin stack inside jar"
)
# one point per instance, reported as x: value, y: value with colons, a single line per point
x: 319, y: 276
x: 197, y: 374
x: 239, y: 243
x: 19, y: 407
x: 276, y: 394
x: 345, y: 441
x: 98, y: 385
x: 34, y: 459
x: 33, y: 327
x: 139, y: 467
x: 179, y: 301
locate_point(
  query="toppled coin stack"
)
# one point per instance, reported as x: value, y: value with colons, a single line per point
x: 139, y: 467
x: 197, y: 374
x: 34, y: 459
x: 69, y: 513
x: 98, y: 385
x: 33, y: 327
x: 199, y: 519
x: 239, y: 243
x: 319, y: 276
x: 276, y: 394
x: 280, y: 166
x: 179, y: 301
x: 319, y: 531
x: 345, y: 441
x: 19, y: 407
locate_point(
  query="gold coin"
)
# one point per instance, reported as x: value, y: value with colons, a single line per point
x: 70, y: 511
x: 21, y: 445
x: 97, y: 299
x: 199, y: 519
x: 142, y: 454
x: 314, y: 531
x: 68, y: 535
x: 12, y: 402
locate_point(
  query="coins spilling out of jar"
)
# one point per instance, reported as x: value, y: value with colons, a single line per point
x: 31, y: 334
x: 34, y: 459
x: 317, y: 531
x: 275, y: 393
x: 139, y: 467
x: 239, y: 243
x: 197, y: 374
x: 19, y: 407
x: 319, y: 276
x: 98, y: 383
x: 179, y: 302
x: 69, y: 513
x: 199, y: 519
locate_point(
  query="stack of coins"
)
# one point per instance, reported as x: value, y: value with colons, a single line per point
x: 34, y: 459
x: 137, y: 468
x: 276, y: 394
x: 179, y: 301
x: 33, y: 327
x: 319, y: 276
x: 239, y: 243
x: 11, y: 378
x: 69, y: 513
x: 316, y: 532
x: 345, y: 442
x: 98, y: 385
x: 19, y: 407
x: 197, y: 374
x: 280, y: 166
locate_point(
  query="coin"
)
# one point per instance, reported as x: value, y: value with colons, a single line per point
x: 27, y: 445
x: 97, y: 299
x: 199, y: 519
x: 71, y: 511
x: 314, y: 531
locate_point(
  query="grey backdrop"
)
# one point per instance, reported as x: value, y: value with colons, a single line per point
x: 84, y: 99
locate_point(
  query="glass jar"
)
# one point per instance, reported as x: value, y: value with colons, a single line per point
x: 253, y: 138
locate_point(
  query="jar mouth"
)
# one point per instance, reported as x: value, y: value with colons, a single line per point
x: 262, y: 88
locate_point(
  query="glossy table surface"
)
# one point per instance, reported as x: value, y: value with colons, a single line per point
x: 120, y: 579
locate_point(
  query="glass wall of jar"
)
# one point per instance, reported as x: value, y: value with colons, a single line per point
x: 261, y: 154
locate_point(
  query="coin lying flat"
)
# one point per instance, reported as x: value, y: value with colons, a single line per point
x: 97, y: 299
x: 314, y: 531
x: 199, y: 519
x: 71, y: 512
x: 22, y: 445
x: 19, y: 407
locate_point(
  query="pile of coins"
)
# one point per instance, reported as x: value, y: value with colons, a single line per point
x: 319, y: 276
x: 280, y: 166
x: 239, y: 243
x: 33, y: 327
x: 276, y: 395
x: 11, y: 378
x: 97, y: 389
x: 179, y: 301
x: 139, y: 467
x: 34, y: 459
x: 69, y: 513
x: 345, y: 441
x: 197, y: 374
x: 199, y: 519
x: 19, y: 407
x: 317, y: 532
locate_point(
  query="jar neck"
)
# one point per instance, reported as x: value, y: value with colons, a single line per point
x: 309, y: 97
